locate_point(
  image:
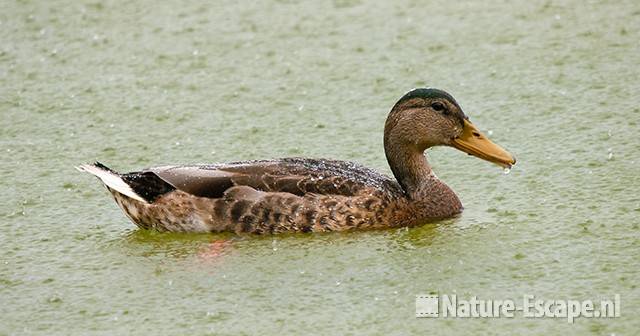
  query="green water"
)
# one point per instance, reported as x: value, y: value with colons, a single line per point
x: 154, y: 83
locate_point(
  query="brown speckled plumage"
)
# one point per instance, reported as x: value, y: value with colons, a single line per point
x: 298, y: 194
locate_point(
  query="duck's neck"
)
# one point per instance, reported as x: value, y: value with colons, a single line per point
x: 413, y: 172
x: 410, y: 167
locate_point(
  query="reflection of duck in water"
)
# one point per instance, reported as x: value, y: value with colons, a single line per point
x: 214, y: 250
x: 299, y: 194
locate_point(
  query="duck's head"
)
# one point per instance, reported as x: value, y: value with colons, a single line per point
x: 427, y: 117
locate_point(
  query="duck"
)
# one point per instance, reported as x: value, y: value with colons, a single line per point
x: 311, y: 195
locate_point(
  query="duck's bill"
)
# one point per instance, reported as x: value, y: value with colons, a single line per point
x: 473, y: 142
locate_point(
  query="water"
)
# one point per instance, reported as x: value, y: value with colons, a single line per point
x: 136, y: 85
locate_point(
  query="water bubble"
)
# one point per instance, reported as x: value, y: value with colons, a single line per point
x: 506, y: 170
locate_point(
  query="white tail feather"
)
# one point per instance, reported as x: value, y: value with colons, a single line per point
x: 111, y: 180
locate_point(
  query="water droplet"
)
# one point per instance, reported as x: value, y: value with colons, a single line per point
x: 338, y: 283
x: 195, y: 53
x: 506, y: 170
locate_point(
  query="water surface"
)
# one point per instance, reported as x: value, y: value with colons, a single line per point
x: 151, y: 83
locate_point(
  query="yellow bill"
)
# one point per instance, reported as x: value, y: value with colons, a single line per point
x: 473, y: 142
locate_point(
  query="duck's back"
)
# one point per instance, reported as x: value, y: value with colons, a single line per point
x: 268, y: 196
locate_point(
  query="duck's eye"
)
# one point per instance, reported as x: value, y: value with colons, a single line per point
x: 438, y: 106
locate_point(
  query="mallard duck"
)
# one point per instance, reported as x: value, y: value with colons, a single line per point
x: 311, y: 195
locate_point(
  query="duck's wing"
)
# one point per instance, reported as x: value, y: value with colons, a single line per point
x: 296, y: 176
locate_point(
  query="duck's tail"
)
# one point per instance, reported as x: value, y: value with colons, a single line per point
x: 111, y: 179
